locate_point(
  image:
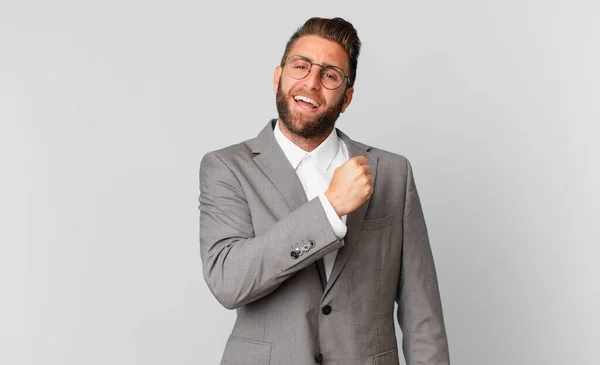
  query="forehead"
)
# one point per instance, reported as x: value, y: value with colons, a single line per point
x: 321, y: 50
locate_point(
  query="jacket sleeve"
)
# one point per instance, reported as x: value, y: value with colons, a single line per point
x: 419, y: 305
x: 238, y: 266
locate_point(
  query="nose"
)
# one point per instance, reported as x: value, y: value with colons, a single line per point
x: 313, y: 79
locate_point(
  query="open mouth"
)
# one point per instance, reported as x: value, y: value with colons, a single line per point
x: 306, y: 103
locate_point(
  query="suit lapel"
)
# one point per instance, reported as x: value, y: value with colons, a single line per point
x: 275, y: 165
x: 355, y: 219
x: 322, y: 273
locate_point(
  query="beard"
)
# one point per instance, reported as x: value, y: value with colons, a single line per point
x: 303, y: 125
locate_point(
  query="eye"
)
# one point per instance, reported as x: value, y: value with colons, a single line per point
x: 330, y: 75
x: 300, y: 65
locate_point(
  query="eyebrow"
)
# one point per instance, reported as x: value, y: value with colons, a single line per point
x: 325, y: 65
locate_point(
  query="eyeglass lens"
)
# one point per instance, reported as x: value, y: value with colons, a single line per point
x: 299, y: 67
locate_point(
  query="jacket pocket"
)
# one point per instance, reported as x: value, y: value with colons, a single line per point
x: 241, y: 351
x: 377, y: 223
x: 389, y: 357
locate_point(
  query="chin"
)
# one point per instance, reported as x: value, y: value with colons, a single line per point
x: 303, y: 123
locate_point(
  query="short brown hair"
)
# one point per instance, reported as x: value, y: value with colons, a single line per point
x: 337, y: 30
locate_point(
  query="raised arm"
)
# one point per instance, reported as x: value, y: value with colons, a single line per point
x: 238, y: 266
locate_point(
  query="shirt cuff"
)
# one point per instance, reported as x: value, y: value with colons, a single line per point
x: 338, y: 226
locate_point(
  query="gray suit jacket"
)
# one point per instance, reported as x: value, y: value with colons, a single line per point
x: 261, y: 244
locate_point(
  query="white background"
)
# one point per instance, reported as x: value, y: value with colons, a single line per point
x: 106, y: 109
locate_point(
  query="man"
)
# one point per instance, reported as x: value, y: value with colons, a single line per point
x: 313, y: 236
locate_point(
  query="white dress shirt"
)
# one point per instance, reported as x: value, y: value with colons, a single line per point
x: 315, y: 170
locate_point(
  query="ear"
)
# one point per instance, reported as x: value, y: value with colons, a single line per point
x: 347, y: 98
x: 276, y: 78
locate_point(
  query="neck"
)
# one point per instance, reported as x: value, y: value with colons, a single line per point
x: 307, y: 144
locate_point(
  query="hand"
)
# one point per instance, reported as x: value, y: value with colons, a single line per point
x: 350, y: 186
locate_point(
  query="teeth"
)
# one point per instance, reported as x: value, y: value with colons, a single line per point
x: 308, y: 100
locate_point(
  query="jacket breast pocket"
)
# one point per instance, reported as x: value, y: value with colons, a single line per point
x: 377, y: 223
x: 241, y: 351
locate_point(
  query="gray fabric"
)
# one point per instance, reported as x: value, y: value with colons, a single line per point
x: 254, y: 213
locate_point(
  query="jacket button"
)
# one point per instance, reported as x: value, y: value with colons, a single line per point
x: 294, y: 255
x: 326, y: 309
x: 318, y: 358
x: 311, y: 243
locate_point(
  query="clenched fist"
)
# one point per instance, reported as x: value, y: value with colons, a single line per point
x: 350, y: 186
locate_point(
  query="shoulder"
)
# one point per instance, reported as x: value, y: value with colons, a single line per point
x: 224, y: 165
x: 229, y: 155
x: 385, y: 157
x: 388, y: 156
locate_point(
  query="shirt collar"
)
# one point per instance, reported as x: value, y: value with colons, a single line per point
x: 323, y: 154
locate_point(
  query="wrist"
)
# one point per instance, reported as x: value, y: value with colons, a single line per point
x: 334, y: 201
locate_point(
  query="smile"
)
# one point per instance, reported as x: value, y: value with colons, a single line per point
x: 306, y: 102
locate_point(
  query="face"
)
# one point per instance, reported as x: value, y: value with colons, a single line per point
x: 315, y: 116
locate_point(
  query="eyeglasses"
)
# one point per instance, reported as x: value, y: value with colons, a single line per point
x: 298, y: 67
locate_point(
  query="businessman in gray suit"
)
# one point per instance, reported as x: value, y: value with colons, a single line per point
x: 312, y: 236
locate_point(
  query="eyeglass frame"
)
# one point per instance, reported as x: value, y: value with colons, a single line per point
x: 284, y: 64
